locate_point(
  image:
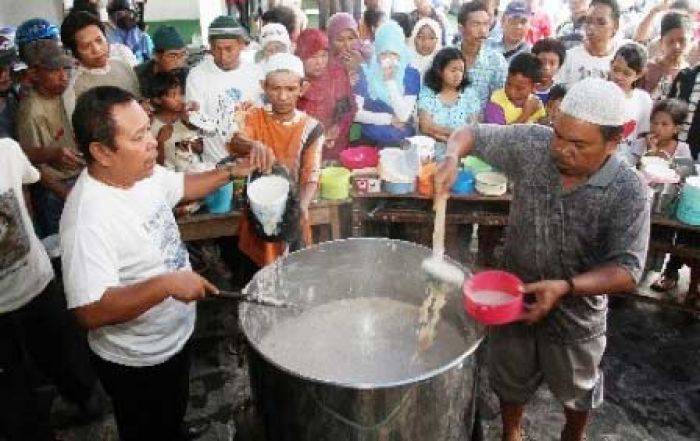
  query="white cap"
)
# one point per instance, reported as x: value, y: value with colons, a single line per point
x: 284, y: 61
x: 275, y: 32
x: 596, y: 101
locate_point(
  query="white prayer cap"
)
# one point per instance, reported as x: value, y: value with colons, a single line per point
x: 284, y: 61
x: 275, y: 32
x: 596, y: 101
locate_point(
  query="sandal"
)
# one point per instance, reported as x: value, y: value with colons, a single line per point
x: 664, y: 284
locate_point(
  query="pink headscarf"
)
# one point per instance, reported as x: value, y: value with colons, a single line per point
x: 339, y: 22
x: 311, y: 41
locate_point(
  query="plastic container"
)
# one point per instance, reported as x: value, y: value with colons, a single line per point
x: 359, y: 157
x: 335, y: 183
x: 364, y: 184
x: 268, y: 198
x: 464, y: 184
x: 688, y: 210
x: 425, y: 146
x: 426, y: 179
x: 475, y: 164
x: 491, y: 183
x: 220, y: 200
x: 398, y: 187
x: 494, y: 297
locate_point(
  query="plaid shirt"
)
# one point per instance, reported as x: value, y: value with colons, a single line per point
x: 487, y: 74
x: 556, y: 233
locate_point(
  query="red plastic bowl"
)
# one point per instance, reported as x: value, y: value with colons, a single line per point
x: 498, y: 281
x: 359, y: 157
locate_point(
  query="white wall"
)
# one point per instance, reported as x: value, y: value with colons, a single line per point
x: 159, y: 10
x: 14, y: 12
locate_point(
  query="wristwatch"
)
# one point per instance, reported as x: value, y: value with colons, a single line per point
x: 229, y: 164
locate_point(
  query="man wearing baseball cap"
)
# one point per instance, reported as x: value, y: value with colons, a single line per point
x: 169, y: 54
x: 221, y: 83
x: 515, y: 24
x: 566, y: 243
x: 44, y: 130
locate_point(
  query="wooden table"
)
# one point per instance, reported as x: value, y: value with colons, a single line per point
x: 490, y: 213
x: 664, y: 232
x: 211, y: 226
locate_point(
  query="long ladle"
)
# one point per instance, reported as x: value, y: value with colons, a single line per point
x: 435, y: 266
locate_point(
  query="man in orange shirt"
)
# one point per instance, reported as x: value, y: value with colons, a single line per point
x: 293, y: 138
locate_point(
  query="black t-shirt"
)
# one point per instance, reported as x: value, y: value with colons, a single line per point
x: 686, y: 87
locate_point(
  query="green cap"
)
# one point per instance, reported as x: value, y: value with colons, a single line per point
x: 166, y: 38
x: 226, y: 27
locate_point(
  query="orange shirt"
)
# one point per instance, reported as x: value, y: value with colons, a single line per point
x: 297, y: 145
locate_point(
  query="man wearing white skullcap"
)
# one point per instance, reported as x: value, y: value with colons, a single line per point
x: 578, y: 230
x: 295, y: 140
x: 274, y: 39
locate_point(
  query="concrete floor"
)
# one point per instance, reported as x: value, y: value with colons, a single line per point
x: 652, y: 379
x: 651, y: 367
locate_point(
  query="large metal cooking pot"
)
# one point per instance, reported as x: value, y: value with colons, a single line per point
x: 300, y: 404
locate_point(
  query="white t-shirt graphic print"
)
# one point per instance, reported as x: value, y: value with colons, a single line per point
x: 113, y: 237
x: 25, y: 268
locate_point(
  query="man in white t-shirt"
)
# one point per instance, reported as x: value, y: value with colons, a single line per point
x: 593, y: 57
x: 221, y: 84
x: 126, y: 271
x: 33, y: 316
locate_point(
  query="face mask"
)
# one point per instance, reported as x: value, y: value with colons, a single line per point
x: 386, y: 63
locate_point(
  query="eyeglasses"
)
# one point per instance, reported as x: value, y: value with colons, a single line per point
x: 425, y: 37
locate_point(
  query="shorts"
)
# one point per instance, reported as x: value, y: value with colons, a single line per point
x: 521, y: 358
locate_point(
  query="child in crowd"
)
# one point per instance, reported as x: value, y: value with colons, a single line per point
x: 329, y: 96
x: 675, y: 41
x: 626, y: 69
x: 179, y: 146
x: 274, y: 39
x: 387, y: 90
x: 424, y: 43
x: 551, y: 53
x: 517, y: 103
x: 556, y: 94
x: 667, y: 117
x: 446, y: 102
x: 295, y: 138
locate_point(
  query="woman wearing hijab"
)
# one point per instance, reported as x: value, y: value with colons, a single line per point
x: 387, y: 89
x: 345, y: 46
x: 424, y: 43
x: 329, y: 97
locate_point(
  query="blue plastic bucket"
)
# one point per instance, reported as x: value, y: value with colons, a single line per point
x: 219, y: 201
x: 688, y: 210
x: 464, y: 184
x: 398, y: 187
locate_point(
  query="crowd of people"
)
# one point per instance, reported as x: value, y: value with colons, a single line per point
x: 114, y: 129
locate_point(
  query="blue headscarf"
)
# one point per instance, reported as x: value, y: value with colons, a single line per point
x: 389, y: 38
